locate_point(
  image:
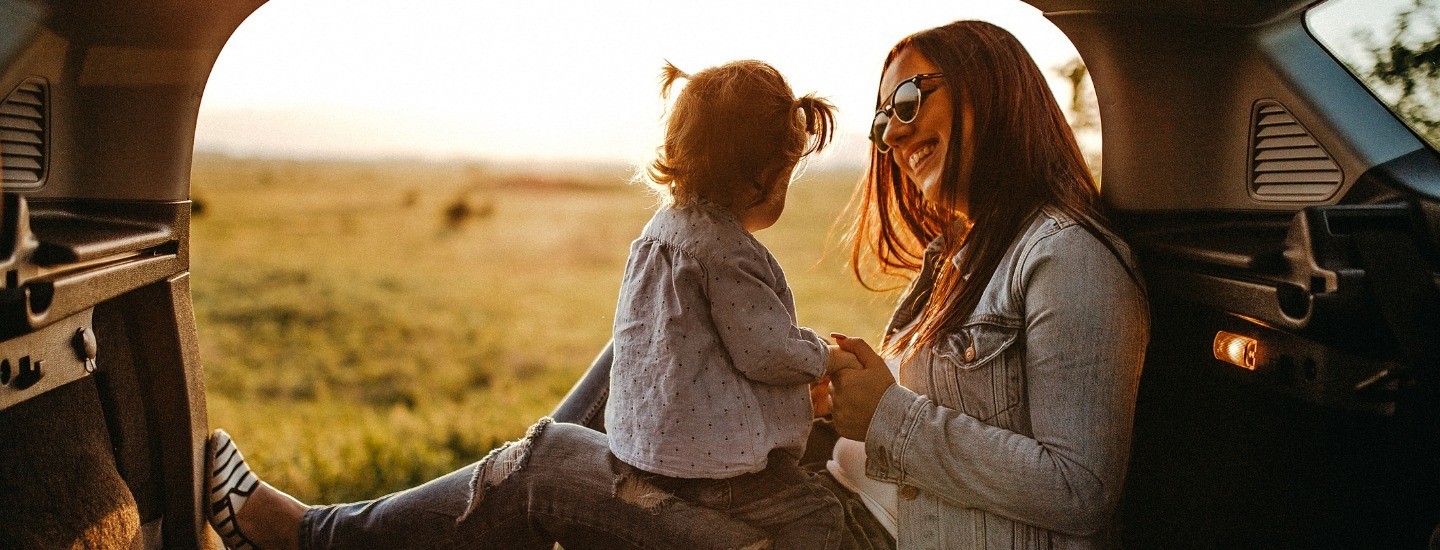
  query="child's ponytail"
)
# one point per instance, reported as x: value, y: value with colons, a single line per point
x: 819, y: 121
x: 668, y: 75
x: 730, y: 132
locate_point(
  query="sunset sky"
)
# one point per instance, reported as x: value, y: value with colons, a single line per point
x: 558, y: 79
x: 545, y: 80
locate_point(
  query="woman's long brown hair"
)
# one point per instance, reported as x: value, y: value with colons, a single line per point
x: 1010, y: 146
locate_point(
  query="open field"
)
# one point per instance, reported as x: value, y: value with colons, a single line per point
x: 368, y: 326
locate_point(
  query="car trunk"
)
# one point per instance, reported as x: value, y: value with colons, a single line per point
x: 1286, y: 221
x: 102, y: 402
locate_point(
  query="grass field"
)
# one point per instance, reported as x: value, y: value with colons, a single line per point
x: 368, y: 326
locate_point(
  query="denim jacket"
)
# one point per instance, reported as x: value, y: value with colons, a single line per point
x: 1014, y: 430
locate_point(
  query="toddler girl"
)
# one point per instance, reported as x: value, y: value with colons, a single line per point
x: 709, y: 395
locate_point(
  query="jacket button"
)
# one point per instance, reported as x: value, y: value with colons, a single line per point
x: 909, y: 492
x: 970, y: 354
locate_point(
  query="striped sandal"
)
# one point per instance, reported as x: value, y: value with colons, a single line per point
x: 231, y: 484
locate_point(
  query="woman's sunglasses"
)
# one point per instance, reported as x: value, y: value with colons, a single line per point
x: 903, y: 104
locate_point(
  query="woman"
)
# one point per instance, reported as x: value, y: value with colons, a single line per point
x: 1017, y: 345
x: 1020, y: 341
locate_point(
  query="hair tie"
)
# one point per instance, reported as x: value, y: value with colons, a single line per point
x: 819, y: 120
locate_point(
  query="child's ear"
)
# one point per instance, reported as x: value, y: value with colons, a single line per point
x: 777, y: 174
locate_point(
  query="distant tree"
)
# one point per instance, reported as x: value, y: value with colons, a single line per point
x: 1405, y: 68
x: 464, y: 208
x: 1083, y: 110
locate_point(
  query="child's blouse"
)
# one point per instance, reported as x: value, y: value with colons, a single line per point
x: 710, y: 370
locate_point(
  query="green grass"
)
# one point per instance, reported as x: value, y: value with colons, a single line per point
x: 359, y: 339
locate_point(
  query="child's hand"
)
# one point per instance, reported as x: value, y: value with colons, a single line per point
x: 840, y: 359
x: 820, y: 397
x: 820, y: 402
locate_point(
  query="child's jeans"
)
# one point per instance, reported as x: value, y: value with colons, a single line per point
x: 564, y: 485
x: 785, y: 500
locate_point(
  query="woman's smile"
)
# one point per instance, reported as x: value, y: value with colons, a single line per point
x: 918, y: 147
x: 920, y: 154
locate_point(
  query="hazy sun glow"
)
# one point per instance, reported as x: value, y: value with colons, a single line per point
x: 543, y: 81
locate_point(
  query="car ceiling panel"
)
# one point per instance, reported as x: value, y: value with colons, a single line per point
x: 1230, y: 14
x: 124, y: 84
x: 1177, y: 98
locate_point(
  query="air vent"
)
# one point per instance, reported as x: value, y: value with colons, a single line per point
x: 1286, y: 163
x: 22, y: 135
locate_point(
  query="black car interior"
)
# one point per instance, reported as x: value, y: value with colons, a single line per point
x: 1270, y: 196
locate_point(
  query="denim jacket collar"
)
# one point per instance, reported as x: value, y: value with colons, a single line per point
x: 918, y: 293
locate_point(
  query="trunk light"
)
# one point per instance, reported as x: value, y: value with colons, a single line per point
x: 1236, y: 349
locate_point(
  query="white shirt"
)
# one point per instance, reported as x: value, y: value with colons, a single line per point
x: 847, y: 464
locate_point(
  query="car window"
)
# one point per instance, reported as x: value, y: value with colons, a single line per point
x: 1393, y: 47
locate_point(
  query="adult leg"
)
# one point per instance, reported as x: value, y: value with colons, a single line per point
x: 558, y: 484
x: 270, y: 517
x: 585, y: 404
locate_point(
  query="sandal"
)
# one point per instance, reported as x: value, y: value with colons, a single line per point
x: 231, y: 484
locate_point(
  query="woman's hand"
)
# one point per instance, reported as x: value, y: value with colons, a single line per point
x: 856, y: 389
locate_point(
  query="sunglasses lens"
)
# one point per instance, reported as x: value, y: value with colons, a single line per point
x: 877, y: 131
x: 906, y: 101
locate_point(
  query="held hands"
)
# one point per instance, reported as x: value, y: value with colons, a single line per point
x: 856, y: 385
x: 840, y: 359
x: 820, y: 401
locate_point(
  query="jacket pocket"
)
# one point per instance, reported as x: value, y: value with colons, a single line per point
x: 980, y: 368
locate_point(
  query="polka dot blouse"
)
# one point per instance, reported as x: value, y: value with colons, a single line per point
x: 711, y: 371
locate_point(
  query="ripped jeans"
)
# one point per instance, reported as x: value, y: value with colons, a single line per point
x: 789, y: 503
x: 562, y: 484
